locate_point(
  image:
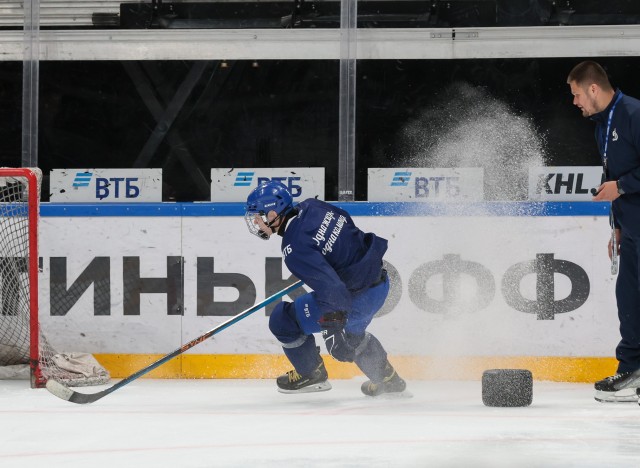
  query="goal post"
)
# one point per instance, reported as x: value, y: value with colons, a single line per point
x: 19, y: 206
x: 23, y: 342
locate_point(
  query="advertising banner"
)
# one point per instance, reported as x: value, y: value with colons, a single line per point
x: 564, y: 183
x: 426, y: 184
x: 234, y: 185
x: 105, y: 185
x: 461, y: 285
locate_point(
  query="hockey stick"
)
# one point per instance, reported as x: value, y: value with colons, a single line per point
x: 64, y: 392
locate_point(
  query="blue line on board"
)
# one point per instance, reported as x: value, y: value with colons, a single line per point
x: 354, y: 208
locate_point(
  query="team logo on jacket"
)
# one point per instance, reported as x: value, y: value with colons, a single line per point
x: 615, y: 135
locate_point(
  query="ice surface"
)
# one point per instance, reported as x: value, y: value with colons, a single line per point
x: 242, y: 423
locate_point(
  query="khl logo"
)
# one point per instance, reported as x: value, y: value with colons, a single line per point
x: 401, y: 179
x: 82, y: 179
x: 244, y: 179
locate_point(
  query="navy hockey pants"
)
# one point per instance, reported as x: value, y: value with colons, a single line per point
x: 307, y: 313
x: 294, y: 323
x: 628, y: 298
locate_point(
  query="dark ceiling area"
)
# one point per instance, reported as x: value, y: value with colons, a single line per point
x: 373, y: 14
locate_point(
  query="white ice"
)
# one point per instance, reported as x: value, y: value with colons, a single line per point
x: 247, y: 423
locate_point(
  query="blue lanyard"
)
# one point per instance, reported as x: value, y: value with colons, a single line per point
x: 606, y: 137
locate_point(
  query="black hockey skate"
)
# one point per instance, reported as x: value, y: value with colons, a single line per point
x: 292, y: 382
x: 619, y: 388
x: 392, y: 384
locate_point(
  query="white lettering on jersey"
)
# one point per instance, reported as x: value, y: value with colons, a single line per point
x: 322, y: 230
x: 328, y: 247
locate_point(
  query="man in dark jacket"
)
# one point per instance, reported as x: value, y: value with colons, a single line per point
x: 617, y: 118
x: 323, y: 247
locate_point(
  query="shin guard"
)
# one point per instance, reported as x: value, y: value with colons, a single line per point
x: 371, y: 358
x: 305, y: 357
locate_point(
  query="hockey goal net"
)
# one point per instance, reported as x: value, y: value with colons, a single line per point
x: 24, y: 348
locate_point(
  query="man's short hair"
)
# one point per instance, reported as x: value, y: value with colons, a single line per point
x: 589, y: 72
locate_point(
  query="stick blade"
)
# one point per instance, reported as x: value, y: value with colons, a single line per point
x: 65, y: 393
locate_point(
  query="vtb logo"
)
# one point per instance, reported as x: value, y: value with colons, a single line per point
x: 117, y: 187
x: 82, y: 179
x: 290, y: 182
x: 428, y: 187
x: 112, y: 187
x: 244, y: 179
x: 400, y: 179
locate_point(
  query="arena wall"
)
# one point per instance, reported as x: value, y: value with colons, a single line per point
x: 475, y: 286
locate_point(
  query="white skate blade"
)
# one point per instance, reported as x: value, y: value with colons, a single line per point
x: 626, y: 395
x: 392, y: 395
x: 319, y: 387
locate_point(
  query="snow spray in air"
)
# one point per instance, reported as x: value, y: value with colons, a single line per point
x: 466, y: 127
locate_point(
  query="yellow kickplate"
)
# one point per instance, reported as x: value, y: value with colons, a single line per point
x: 268, y: 366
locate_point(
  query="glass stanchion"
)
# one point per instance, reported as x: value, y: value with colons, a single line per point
x: 347, y: 129
x: 30, y: 79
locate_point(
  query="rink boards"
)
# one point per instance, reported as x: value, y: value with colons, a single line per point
x: 473, y: 287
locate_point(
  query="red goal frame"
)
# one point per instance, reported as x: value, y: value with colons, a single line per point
x: 37, y: 379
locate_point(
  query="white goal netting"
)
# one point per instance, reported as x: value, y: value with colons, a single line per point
x: 25, y: 351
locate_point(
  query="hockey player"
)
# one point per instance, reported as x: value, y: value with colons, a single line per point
x: 323, y: 247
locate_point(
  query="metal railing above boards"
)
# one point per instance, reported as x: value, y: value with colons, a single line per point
x: 234, y: 14
x: 323, y: 44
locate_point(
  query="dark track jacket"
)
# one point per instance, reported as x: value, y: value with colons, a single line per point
x: 623, y: 158
x: 323, y: 247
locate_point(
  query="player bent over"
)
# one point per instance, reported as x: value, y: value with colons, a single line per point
x: 323, y: 247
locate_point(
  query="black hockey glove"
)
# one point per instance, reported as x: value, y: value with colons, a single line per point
x: 333, y: 320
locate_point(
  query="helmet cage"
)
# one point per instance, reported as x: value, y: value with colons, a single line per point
x: 254, y: 227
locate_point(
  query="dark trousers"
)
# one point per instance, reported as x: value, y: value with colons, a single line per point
x: 628, y: 298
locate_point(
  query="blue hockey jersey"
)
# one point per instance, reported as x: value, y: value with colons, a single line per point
x: 323, y: 247
x: 623, y: 158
